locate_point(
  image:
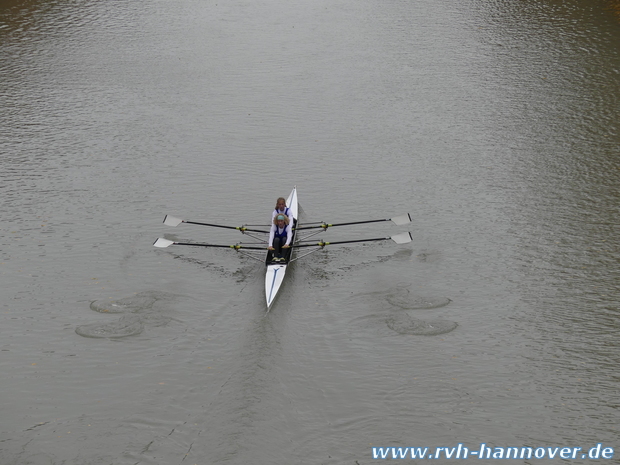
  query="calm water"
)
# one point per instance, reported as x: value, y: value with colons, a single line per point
x: 494, y: 123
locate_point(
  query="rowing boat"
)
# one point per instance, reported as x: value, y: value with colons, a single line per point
x: 276, y: 270
x: 274, y: 277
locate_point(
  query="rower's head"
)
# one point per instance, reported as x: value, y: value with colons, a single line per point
x: 280, y: 220
x: 281, y: 204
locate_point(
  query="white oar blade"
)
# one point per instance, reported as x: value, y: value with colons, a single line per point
x: 402, y: 238
x: 172, y: 221
x: 402, y: 219
x: 161, y: 243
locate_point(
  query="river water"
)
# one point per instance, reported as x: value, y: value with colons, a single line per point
x: 494, y: 123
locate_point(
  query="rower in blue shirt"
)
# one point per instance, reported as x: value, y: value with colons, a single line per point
x: 280, y: 236
x: 282, y: 209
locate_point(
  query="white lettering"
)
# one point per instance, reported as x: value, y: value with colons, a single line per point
x: 595, y: 451
x: 485, y: 452
x: 465, y: 452
x: 380, y: 452
x: 399, y: 452
x: 565, y: 453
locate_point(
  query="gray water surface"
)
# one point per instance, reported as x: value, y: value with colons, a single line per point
x: 495, y: 124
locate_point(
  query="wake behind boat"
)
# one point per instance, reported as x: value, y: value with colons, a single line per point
x: 275, y: 266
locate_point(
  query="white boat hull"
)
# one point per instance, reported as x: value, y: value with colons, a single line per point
x: 274, y: 276
x: 273, y: 281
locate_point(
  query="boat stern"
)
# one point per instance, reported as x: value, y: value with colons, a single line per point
x: 273, y: 281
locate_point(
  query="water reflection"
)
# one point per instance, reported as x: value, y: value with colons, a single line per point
x: 614, y: 5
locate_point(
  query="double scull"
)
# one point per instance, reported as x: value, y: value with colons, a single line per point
x: 274, y: 277
x: 276, y: 269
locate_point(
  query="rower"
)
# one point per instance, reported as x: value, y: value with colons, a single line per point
x: 280, y: 236
x: 282, y: 209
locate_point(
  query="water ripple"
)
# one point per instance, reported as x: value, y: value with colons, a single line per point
x: 394, y: 318
x: 140, y: 311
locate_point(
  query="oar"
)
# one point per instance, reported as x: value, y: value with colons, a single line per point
x: 398, y: 220
x: 161, y: 243
x: 402, y: 238
x: 172, y: 221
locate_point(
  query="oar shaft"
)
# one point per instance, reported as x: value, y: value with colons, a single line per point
x: 325, y: 225
x: 238, y: 228
x: 323, y: 244
x: 219, y: 245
